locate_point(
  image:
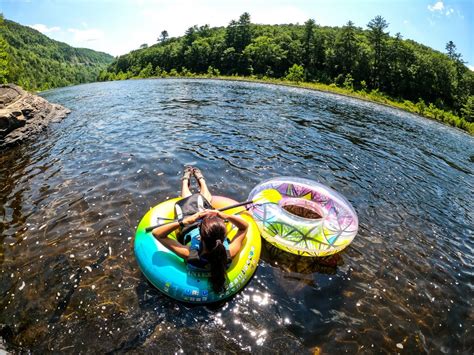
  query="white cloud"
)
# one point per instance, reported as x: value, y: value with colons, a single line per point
x: 438, y: 9
x: 87, y: 35
x: 438, y: 6
x: 45, y: 29
x: 471, y: 67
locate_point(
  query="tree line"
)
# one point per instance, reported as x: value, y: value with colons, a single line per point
x: 36, y: 62
x: 349, y: 57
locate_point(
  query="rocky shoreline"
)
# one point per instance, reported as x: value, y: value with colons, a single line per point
x: 23, y: 115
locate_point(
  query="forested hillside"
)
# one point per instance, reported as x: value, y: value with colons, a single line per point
x: 36, y: 62
x: 438, y: 85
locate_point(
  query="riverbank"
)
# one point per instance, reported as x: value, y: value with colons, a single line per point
x: 23, y: 114
x: 419, y: 108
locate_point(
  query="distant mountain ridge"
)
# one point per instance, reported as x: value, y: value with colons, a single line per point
x: 36, y: 62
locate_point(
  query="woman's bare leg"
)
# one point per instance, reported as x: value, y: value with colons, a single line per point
x: 185, y: 191
x: 202, y: 184
x: 204, y: 190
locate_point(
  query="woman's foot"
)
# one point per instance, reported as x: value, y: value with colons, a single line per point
x: 188, y: 171
x: 198, y: 175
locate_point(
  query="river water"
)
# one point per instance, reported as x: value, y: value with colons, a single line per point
x: 70, y: 202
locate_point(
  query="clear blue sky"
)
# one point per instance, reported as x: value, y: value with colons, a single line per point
x: 118, y: 26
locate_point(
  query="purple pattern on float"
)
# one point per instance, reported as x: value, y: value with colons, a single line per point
x: 334, y: 212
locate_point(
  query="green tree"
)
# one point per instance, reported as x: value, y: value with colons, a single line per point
x: 238, y: 36
x: 399, y: 60
x: 146, y: 72
x: 198, y: 55
x: 313, y: 49
x: 290, y: 43
x: 211, y: 71
x: 191, y: 34
x: 174, y: 72
x: 468, y: 109
x: 451, y: 51
x: 231, y: 34
x: 205, y: 31
x: 264, y: 54
x: 295, y: 73
x: 104, y: 76
x: 348, y: 82
x: 378, y: 40
x: 244, y: 33
x: 163, y: 36
x: 461, y: 88
x: 239, y: 33
x: 308, y: 43
x: 346, y: 49
x: 228, y: 59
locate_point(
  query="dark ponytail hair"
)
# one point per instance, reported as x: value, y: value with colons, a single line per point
x: 213, y: 232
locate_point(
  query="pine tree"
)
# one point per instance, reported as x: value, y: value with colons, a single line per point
x: 163, y: 36
x: 378, y: 39
x: 346, y: 48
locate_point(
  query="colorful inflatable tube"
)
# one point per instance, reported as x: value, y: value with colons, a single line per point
x: 303, y: 217
x: 170, y: 274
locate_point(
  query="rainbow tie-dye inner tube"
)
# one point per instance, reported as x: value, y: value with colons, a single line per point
x: 303, y: 217
x: 169, y: 273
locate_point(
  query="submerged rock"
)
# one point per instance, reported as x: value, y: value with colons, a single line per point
x: 23, y: 114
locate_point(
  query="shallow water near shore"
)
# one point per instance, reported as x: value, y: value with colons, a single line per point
x: 71, y: 200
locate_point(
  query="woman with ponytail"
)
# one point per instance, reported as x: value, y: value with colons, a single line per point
x: 204, y: 230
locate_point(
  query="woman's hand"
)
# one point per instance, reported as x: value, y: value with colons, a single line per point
x: 210, y: 213
x: 192, y: 219
x: 200, y: 215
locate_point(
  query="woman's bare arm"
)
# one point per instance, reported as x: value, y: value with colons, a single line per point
x: 161, y: 233
x: 242, y: 226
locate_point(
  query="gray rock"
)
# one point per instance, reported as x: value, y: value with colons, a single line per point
x: 23, y: 115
